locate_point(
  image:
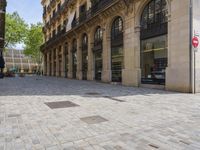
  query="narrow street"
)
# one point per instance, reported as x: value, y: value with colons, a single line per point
x: 54, y: 113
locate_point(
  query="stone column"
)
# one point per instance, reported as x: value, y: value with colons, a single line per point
x: 106, y: 72
x: 178, y: 70
x: 90, y: 73
x: 131, y: 72
x: 79, y: 59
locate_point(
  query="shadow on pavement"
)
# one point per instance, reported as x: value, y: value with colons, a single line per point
x: 47, y: 86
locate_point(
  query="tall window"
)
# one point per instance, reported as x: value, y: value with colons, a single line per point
x: 154, y: 46
x: 117, y: 49
x: 74, y: 58
x: 98, y: 38
x: 84, y: 56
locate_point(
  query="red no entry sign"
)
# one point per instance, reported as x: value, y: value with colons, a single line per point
x: 195, y: 42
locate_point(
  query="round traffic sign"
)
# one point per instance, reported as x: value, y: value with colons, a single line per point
x: 195, y: 42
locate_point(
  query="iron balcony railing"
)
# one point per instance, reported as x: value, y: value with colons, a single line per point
x: 97, y: 7
x: 87, y: 15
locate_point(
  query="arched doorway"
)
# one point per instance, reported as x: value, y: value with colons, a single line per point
x: 74, y: 58
x: 98, y: 48
x: 84, y: 56
x: 117, y: 49
x: 154, y: 30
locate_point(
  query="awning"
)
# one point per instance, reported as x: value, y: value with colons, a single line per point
x: 70, y: 19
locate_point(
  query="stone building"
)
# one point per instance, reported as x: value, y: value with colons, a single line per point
x: 133, y: 42
x: 16, y: 61
x: 2, y: 30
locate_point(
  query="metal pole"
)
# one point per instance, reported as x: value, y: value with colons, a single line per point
x: 192, y: 83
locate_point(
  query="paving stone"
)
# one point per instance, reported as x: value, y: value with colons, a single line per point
x: 147, y: 118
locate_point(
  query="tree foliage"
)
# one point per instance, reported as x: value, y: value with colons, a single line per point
x: 16, y: 29
x: 33, y: 41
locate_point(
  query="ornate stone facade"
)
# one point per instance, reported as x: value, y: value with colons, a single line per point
x: 140, y: 42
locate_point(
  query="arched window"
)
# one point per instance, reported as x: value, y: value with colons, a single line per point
x: 117, y: 49
x: 98, y: 36
x: 154, y: 29
x: 117, y: 28
x: 154, y: 19
x: 74, y: 45
x: 85, y: 41
x: 97, y: 49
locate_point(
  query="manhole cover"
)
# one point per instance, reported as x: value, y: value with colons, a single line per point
x: 61, y: 104
x: 13, y: 115
x: 93, y: 119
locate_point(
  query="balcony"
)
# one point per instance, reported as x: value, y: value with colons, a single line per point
x: 55, y: 38
x: 84, y: 17
x: 94, y: 10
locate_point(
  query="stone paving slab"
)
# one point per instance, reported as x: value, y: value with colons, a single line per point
x: 136, y: 118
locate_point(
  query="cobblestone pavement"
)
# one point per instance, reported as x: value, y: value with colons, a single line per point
x: 105, y: 117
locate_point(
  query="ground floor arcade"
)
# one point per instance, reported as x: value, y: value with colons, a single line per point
x: 146, y: 44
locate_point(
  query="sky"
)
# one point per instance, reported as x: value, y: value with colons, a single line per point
x: 30, y: 10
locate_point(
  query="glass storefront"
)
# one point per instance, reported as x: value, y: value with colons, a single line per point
x: 154, y: 44
x: 154, y: 59
x: 84, y: 56
x: 116, y: 64
x: 74, y: 59
x: 74, y: 64
x: 98, y: 59
x: 117, y: 50
x: 98, y: 64
x: 66, y: 60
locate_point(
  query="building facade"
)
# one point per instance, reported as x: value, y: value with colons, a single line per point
x: 2, y: 30
x: 133, y: 42
x: 16, y: 61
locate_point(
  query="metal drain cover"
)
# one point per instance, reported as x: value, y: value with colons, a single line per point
x: 93, y: 119
x: 61, y: 104
x: 92, y: 93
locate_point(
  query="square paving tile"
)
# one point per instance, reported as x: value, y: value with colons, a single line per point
x: 93, y: 119
x: 61, y: 104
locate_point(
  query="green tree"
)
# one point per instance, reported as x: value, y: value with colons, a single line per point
x: 16, y: 29
x: 33, y: 41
